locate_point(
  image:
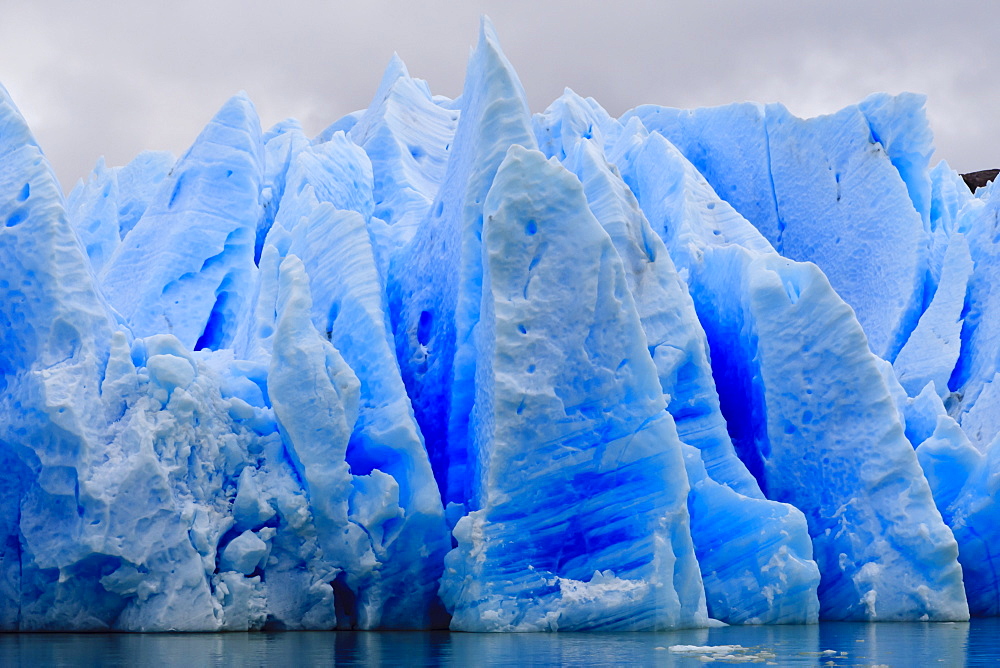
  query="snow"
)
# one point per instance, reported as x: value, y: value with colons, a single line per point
x: 449, y: 363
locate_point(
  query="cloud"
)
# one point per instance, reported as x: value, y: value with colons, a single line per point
x: 114, y: 78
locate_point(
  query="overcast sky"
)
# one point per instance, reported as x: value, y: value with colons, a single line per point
x: 113, y: 78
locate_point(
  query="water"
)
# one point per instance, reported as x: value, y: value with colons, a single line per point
x: 836, y: 644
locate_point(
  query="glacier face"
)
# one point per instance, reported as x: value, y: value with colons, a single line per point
x: 451, y: 363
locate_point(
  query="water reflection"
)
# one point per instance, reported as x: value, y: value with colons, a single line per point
x: 836, y: 644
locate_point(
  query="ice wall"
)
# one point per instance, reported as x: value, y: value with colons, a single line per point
x: 449, y: 363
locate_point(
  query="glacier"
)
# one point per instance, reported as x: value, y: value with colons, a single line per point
x: 449, y: 363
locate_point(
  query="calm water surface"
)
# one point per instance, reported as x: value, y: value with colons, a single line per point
x: 830, y: 644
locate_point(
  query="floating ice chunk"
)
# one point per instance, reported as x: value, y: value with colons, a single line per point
x: 706, y: 649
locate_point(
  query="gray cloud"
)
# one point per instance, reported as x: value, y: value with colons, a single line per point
x: 114, y: 78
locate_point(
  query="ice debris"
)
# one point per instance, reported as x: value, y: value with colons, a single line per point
x: 451, y: 363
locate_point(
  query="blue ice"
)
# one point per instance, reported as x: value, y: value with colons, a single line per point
x: 447, y: 363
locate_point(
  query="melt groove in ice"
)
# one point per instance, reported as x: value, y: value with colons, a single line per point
x: 449, y: 363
